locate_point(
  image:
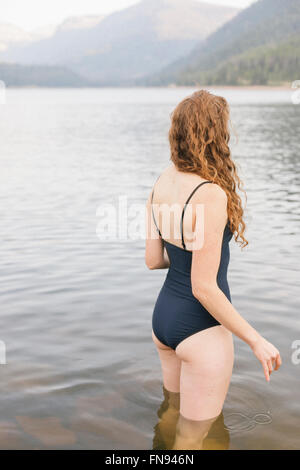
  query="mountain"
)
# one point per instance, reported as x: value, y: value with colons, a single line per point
x: 80, y: 22
x: 141, y: 39
x: 70, y: 40
x: 43, y: 32
x: 130, y: 43
x: 40, y: 76
x: 259, y: 46
x: 11, y: 35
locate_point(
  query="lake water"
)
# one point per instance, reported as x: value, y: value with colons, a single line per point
x: 82, y: 371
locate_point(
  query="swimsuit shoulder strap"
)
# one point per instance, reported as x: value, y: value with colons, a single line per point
x: 184, y: 208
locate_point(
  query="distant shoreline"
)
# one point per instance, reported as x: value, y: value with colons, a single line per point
x: 235, y: 87
x: 223, y: 87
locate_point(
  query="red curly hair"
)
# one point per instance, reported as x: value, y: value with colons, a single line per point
x: 199, y: 140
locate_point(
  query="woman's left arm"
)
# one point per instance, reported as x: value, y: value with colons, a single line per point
x: 155, y: 253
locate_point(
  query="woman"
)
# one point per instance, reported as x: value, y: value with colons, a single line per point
x: 196, y: 211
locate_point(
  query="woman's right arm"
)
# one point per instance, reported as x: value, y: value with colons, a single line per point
x: 205, y: 265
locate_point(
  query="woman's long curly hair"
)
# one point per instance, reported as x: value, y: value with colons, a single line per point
x: 199, y: 139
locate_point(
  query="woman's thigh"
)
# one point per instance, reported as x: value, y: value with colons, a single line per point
x: 206, y: 367
x: 170, y: 364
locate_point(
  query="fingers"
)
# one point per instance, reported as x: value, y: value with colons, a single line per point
x: 266, y: 370
x: 269, y: 357
x: 270, y: 366
x: 278, y: 362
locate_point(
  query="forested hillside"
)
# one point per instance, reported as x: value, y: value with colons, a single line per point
x: 261, y: 45
x: 39, y: 75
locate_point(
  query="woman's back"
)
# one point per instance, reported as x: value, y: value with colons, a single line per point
x: 177, y: 313
x: 170, y: 195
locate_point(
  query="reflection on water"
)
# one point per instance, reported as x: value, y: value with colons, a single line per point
x: 82, y: 371
x: 165, y: 429
x: 174, y: 432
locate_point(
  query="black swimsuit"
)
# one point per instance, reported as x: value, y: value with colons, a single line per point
x: 177, y: 313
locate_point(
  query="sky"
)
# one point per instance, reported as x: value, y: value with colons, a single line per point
x: 32, y: 14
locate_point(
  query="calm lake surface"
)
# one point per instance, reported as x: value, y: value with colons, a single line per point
x: 82, y: 371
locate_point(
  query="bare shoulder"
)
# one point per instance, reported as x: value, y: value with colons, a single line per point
x: 217, y: 193
x: 213, y: 193
x: 215, y: 201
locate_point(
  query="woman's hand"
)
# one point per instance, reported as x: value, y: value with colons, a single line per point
x: 268, y: 355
